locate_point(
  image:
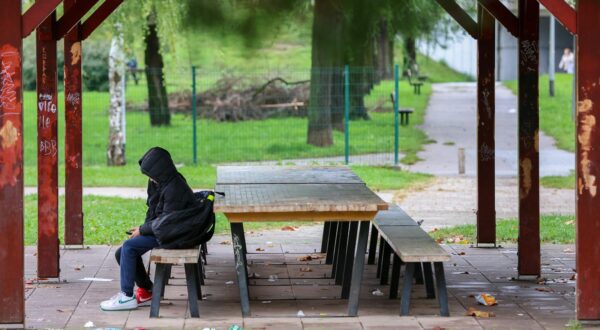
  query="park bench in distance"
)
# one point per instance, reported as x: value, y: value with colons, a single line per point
x: 404, y: 113
x: 191, y: 259
x: 413, y: 247
x: 415, y: 84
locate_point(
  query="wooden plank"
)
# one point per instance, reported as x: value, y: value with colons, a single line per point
x: 413, y: 244
x: 394, y: 216
x: 172, y: 256
x: 285, y: 174
x: 266, y: 198
x: 299, y: 216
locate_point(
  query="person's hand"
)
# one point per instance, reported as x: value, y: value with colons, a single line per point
x: 135, y: 232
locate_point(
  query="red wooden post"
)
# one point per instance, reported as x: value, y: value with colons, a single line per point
x: 12, y: 302
x: 529, y: 196
x: 73, y: 135
x: 47, y: 118
x: 588, y: 158
x: 486, y: 195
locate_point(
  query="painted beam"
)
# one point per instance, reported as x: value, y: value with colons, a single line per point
x: 587, y: 161
x: 47, y: 142
x: 565, y: 14
x: 12, y: 290
x: 36, y: 14
x: 73, y: 136
x: 72, y: 16
x: 98, y: 17
x: 460, y: 16
x: 503, y: 15
x: 486, y: 112
x: 528, y: 102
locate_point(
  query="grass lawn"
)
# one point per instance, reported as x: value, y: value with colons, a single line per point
x: 107, y: 218
x: 557, y: 229
x: 556, y: 120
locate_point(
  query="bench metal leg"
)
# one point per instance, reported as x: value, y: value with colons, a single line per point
x: 159, y: 278
x: 395, y: 277
x: 191, y: 279
x: 237, y: 237
x: 373, y: 245
x: 385, y: 264
x: 407, y: 289
x: 428, y: 273
x: 349, y: 263
x: 442, y: 293
x: 166, y: 280
x: 380, y: 257
x: 419, y: 274
x: 336, y: 248
x: 204, y: 252
x: 326, y: 228
x: 331, y: 242
x: 201, y: 273
x: 340, y: 256
x: 358, y: 268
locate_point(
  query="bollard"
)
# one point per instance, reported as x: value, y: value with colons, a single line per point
x: 461, y: 160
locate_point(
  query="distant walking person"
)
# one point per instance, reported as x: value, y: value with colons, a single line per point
x: 567, y: 62
x: 132, y: 68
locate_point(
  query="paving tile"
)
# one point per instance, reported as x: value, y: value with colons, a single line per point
x: 332, y: 323
x: 272, y: 323
x: 216, y: 323
x: 502, y: 323
x: 389, y: 322
x: 170, y: 316
x: 453, y: 322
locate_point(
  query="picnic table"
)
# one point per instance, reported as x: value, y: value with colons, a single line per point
x: 296, y: 193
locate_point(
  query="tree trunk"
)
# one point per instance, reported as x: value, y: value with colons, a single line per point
x: 410, y: 56
x: 158, y: 102
x: 384, y: 49
x: 326, y: 56
x: 116, y: 73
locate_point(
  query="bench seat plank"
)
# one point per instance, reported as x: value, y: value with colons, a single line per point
x: 413, y: 244
x: 394, y: 216
x: 179, y: 257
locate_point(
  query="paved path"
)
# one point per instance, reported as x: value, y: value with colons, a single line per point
x: 275, y: 305
x: 451, y: 120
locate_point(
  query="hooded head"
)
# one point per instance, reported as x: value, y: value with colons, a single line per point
x: 158, y: 165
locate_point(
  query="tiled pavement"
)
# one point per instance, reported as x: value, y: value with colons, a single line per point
x: 522, y: 304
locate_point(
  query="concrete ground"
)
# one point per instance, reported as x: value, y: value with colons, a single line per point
x: 522, y: 304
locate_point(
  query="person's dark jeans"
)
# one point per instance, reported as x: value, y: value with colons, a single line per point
x: 129, y: 257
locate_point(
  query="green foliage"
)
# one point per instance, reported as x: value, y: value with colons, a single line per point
x: 556, y: 115
x: 558, y: 229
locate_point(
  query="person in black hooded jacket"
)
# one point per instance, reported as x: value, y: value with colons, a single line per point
x: 168, y: 192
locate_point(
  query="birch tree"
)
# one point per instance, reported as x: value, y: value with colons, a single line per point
x: 116, y: 74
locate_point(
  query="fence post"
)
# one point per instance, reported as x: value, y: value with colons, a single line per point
x: 396, y: 108
x: 346, y: 113
x: 194, y: 141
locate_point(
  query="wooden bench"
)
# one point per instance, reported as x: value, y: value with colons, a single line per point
x: 415, y: 84
x: 412, y: 246
x: 404, y: 113
x: 191, y: 259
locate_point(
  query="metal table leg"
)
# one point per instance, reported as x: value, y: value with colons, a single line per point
x: 442, y: 293
x: 349, y: 259
x: 395, y: 277
x: 372, y: 245
x: 324, y: 241
x: 340, y: 255
x: 331, y: 242
x: 359, y: 266
x: 237, y: 236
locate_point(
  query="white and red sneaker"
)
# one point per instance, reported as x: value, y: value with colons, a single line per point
x: 143, y: 297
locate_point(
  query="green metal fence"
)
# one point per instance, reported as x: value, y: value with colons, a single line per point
x: 286, y: 116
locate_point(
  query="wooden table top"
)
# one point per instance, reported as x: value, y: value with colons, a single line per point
x: 284, y: 196
x: 285, y: 174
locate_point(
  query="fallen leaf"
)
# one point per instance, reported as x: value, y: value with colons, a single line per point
x: 573, y: 277
x: 259, y: 249
x: 288, y: 228
x: 544, y: 289
x: 568, y: 250
x: 225, y: 242
x: 309, y: 257
x: 434, y: 230
x: 477, y: 313
x: 462, y: 253
x: 570, y: 222
x: 305, y: 269
x: 541, y: 280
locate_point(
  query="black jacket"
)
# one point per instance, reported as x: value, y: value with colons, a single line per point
x: 171, y: 192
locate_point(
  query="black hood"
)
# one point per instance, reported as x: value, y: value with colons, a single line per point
x: 158, y: 165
